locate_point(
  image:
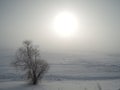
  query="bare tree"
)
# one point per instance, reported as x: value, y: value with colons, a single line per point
x: 28, y: 58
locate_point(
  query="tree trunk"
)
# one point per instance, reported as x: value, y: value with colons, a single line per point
x: 34, y: 81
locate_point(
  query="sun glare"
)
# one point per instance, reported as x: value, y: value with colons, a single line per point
x: 65, y: 24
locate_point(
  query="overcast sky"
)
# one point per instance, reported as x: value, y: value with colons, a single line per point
x: 99, y: 25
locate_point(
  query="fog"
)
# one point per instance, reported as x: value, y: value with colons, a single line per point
x: 98, y: 32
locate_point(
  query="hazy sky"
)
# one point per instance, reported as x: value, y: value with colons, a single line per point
x: 99, y: 24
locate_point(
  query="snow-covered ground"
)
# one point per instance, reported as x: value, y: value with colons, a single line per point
x: 90, y: 72
x: 63, y: 85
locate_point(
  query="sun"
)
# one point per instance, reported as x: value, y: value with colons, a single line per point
x: 65, y: 24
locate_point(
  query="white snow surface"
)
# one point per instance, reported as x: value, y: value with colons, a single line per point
x: 63, y: 85
x: 67, y: 73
